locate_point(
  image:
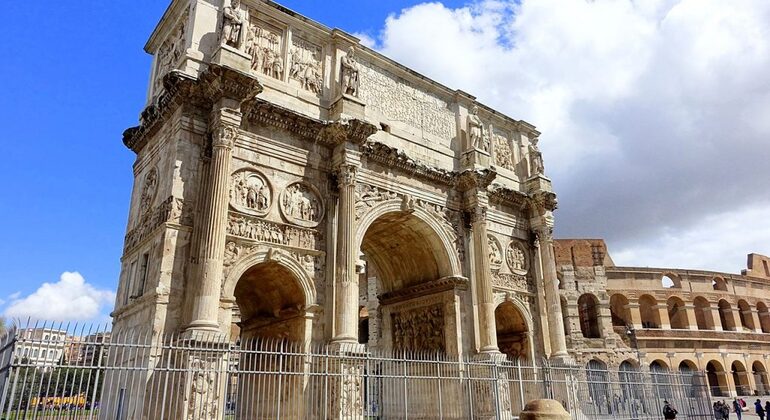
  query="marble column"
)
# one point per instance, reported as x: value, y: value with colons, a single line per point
x: 205, y: 302
x: 482, y: 274
x: 346, y: 278
x: 551, y: 283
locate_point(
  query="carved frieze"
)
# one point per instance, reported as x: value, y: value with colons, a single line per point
x: 301, y: 204
x: 510, y: 281
x: 264, y: 43
x: 516, y: 258
x: 402, y: 102
x: 265, y: 231
x: 495, y: 253
x: 250, y: 192
x: 149, y: 190
x: 305, y: 65
x: 420, y: 329
x: 172, y: 210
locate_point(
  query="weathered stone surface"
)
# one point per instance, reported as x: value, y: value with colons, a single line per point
x: 544, y: 410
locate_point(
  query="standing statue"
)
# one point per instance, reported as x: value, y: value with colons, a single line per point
x: 350, y: 73
x: 535, y: 158
x: 232, y: 22
x: 476, y: 130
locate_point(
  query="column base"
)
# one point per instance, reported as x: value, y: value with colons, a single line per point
x: 202, y: 325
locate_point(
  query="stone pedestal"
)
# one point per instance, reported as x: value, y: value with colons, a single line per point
x: 203, y: 359
x: 227, y: 56
x: 346, y: 385
x: 347, y: 106
x: 544, y: 410
x: 492, y: 393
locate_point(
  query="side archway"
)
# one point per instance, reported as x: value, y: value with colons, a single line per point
x: 740, y: 378
x: 621, y: 316
x: 588, y: 310
x: 764, y: 317
x: 703, y: 314
x: 745, y: 312
x: 513, y: 331
x: 648, y: 307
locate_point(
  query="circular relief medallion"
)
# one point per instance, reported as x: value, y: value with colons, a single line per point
x: 301, y: 204
x: 495, y: 253
x: 516, y: 258
x: 250, y: 192
x: 149, y: 190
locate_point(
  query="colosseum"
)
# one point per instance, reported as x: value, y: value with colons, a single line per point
x: 661, y: 318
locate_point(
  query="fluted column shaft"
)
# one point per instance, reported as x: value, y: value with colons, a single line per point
x: 346, y: 278
x: 205, y: 304
x: 482, y: 274
x: 552, y: 301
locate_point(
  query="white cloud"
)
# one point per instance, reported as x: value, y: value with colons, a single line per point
x: 70, y: 299
x: 654, y: 114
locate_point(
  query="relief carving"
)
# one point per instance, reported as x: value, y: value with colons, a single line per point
x: 503, y: 153
x: 204, y: 398
x: 367, y: 196
x: 510, y: 281
x: 516, y: 258
x: 232, y: 22
x: 264, y: 231
x: 171, y: 210
x: 170, y: 52
x: 264, y: 45
x: 149, y: 190
x: 301, y: 204
x: 350, y: 71
x: 305, y: 65
x: 420, y: 329
x: 250, y: 192
x: 495, y: 253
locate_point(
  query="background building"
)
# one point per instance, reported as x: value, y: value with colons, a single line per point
x: 666, y: 318
x: 42, y: 347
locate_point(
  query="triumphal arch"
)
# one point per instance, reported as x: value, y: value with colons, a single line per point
x: 292, y: 183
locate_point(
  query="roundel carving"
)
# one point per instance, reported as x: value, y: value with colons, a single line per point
x: 516, y: 258
x: 250, y: 192
x: 301, y: 204
x: 495, y: 253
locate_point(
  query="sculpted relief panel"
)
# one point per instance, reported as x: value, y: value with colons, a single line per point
x: 503, y: 153
x: 250, y: 193
x: 170, y: 52
x: 264, y: 231
x: 305, y: 65
x: 402, y: 102
x: 264, y: 43
x: 420, y: 329
x: 149, y: 190
x: 301, y: 204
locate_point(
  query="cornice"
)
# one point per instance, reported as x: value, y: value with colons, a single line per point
x: 392, y: 157
x: 440, y: 285
x: 180, y: 88
x: 543, y: 200
x: 504, y: 195
x: 475, y: 178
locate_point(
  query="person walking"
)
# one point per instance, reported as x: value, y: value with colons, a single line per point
x: 759, y: 409
x: 669, y: 412
x: 767, y: 408
x: 738, y: 409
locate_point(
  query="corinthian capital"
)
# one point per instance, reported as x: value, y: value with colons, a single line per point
x: 346, y: 175
x: 479, y: 214
x: 224, y: 136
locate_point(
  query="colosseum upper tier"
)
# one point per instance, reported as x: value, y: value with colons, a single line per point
x: 665, y: 318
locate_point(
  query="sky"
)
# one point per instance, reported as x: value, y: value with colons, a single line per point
x: 655, y: 117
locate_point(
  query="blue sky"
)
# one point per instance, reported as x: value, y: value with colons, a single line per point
x: 74, y: 77
x: 654, y: 117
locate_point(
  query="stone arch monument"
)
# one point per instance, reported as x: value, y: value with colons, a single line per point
x: 285, y: 172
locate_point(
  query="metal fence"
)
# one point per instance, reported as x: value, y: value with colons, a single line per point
x: 132, y: 375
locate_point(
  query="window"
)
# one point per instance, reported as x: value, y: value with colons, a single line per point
x: 129, y: 282
x: 142, y: 276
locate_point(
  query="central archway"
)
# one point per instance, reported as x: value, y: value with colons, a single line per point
x: 411, y: 266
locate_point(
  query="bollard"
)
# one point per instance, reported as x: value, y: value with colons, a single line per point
x: 544, y: 410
